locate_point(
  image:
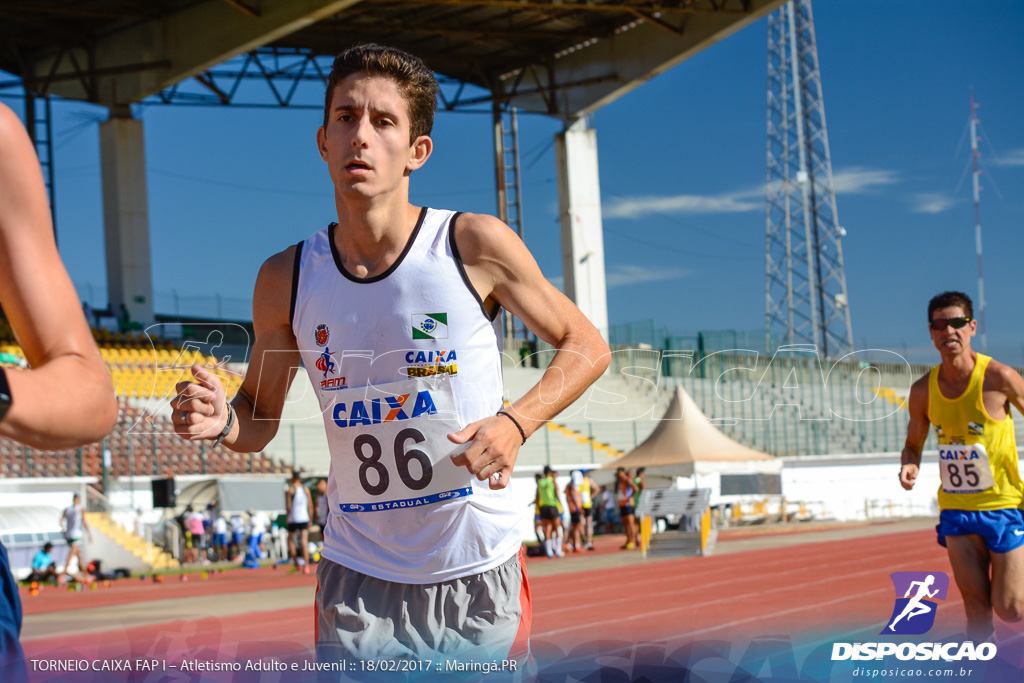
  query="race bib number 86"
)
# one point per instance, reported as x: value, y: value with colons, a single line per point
x: 964, y: 469
x: 391, y: 447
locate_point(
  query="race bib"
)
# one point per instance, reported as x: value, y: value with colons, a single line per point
x: 391, y: 449
x: 964, y: 469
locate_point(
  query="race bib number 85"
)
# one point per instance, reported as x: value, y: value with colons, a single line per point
x: 390, y: 447
x: 964, y: 469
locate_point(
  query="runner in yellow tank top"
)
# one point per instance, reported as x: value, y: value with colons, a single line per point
x: 967, y: 398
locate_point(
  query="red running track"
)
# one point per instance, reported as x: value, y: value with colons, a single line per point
x: 807, y: 592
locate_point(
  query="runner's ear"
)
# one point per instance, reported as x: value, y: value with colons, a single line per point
x: 419, y: 152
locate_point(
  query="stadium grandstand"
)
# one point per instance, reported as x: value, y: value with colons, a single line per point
x: 144, y: 372
x: 791, y: 405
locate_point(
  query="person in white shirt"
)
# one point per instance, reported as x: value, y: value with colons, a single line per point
x: 237, y: 535
x: 220, y: 537
x: 74, y: 526
x: 299, y: 505
x: 258, y: 524
x: 422, y: 530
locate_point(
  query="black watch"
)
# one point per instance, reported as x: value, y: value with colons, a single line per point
x: 5, y: 394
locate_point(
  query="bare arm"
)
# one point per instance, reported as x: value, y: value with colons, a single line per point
x: 917, y: 432
x: 504, y: 273
x: 1006, y: 380
x: 272, y: 367
x: 67, y: 398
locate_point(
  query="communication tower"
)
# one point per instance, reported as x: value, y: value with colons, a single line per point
x: 806, y: 301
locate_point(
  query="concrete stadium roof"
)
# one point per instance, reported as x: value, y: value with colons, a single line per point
x: 564, y: 58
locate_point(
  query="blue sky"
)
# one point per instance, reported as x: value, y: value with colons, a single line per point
x: 682, y: 164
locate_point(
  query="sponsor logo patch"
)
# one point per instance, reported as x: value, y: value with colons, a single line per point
x: 375, y: 411
x: 325, y: 364
x: 428, y: 363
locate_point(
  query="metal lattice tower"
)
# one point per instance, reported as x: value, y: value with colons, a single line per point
x: 510, y: 197
x: 805, y: 292
x: 39, y: 123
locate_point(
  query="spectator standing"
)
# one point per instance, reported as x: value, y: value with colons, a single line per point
x: 322, y: 503
x: 75, y: 527
x: 258, y: 524
x: 587, y: 489
x: 625, y: 495
x: 547, y: 499
x: 300, y: 511
x: 220, y: 537
x: 237, y: 525
x: 574, y: 502
x: 198, y: 531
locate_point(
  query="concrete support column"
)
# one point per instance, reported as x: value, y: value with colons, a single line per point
x: 126, y: 218
x: 579, y: 203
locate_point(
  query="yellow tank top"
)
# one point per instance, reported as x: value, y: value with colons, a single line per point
x: 584, y: 489
x: 977, y: 455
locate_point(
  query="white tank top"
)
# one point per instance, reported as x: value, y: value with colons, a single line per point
x: 299, y: 514
x: 398, y: 361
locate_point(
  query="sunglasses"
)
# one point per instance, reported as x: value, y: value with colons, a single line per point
x: 939, y: 324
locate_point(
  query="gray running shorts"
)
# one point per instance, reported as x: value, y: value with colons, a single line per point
x: 481, y: 618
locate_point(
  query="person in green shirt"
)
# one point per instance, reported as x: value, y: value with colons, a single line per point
x: 547, y: 502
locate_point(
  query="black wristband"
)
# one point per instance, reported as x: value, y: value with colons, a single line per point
x: 227, y: 426
x: 516, y: 423
x: 5, y: 394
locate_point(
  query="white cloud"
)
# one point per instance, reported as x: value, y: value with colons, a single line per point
x: 853, y: 180
x: 857, y: 180
x: 1013, y: 158
x: 622, y: 275
x: 931, y: 202
x: 636, y: 207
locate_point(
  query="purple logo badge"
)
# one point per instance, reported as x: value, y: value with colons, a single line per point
x: 914, y: 612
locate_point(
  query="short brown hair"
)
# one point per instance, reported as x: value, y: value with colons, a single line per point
x: 947, y: 299
x: 415, y: 81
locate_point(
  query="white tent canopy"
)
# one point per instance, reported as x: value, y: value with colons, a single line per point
x: 686, y: 443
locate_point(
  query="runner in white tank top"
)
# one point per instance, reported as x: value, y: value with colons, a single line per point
x: 300, y: 511
x: 394, y: 313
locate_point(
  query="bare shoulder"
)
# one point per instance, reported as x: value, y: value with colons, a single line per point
x: 919, y: 394
x: 273, y: 291
x: 10, y: 124
x: 920, y: 386
x: 480, y: 236
x: 1002, y: 377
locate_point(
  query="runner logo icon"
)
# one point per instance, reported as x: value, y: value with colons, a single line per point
x: 914, y: 612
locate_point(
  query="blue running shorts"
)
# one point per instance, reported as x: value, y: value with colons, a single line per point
x: 1002, y: 530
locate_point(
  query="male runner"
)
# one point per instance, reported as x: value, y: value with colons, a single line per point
x: 967, y: 398
x: 300, y: 512
x: 67, y: 398
x: 421, y: 553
